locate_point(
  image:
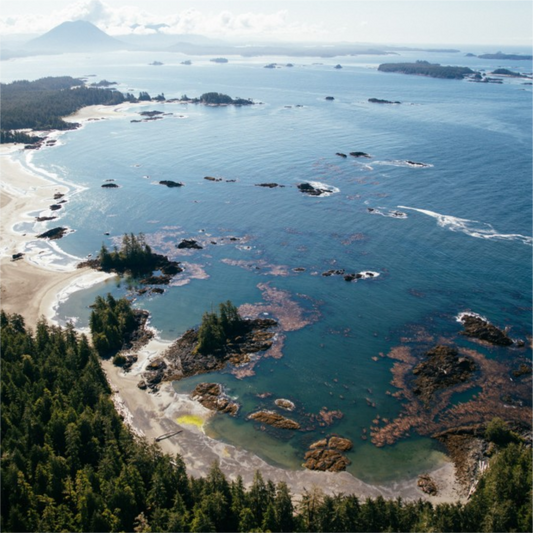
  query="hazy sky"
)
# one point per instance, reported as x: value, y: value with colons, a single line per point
x: 452, y: 22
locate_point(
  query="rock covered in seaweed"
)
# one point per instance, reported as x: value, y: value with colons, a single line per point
x: 325, y: 454
x: 212, y: 396
x: 274, y: 419
x: 442, y: 368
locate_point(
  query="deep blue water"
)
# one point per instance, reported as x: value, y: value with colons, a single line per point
x: 465, y: 243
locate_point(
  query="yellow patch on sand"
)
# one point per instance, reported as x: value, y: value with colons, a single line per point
x: 191, y: 420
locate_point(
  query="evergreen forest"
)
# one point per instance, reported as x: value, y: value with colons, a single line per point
x: 40, y: 104
x: 69, y: 463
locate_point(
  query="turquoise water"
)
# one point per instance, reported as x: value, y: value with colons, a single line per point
x: 464, y: 244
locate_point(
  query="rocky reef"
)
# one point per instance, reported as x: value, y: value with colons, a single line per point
x: 171, y: 184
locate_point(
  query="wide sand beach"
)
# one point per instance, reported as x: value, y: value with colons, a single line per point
x: 31, y: 286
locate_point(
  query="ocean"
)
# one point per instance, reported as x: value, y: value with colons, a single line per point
x: 440, y: 214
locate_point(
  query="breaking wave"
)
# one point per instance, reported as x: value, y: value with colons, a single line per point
x: 473, y: 228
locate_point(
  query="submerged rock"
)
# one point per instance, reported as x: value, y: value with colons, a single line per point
x: 359, y: 154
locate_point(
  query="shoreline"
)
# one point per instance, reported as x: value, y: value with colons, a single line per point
x: 33, y: 288
x: 151, y: 415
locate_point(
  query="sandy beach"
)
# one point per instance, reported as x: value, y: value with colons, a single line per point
x: 32, y: 286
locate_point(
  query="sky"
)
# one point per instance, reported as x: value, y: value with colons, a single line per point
x: 410, y: 22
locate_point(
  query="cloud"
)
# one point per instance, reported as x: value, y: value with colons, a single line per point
x: 129, y: 19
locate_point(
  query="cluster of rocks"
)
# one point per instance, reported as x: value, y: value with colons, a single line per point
x: 109, y: 186
x: 212, y: 396
x: 274, y: 419
x: 442, y: 368
x: 349, y: 277
x: 154, y: 375
x: 477, y: 327
x: 325, y: 454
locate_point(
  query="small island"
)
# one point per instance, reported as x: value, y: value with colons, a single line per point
x: 213, y: 99
x: 424, y: 68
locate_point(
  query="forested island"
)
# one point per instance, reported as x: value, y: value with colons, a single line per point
x: 424, y: 68
x: 512, y: 57
x: 214, y: 99
x: 70, y: 464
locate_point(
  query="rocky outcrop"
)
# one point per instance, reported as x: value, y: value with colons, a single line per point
x: 55, y: 233
x: 55, y: 207
x: 285, y: 404
x: 170, y: 183
x: 189, y: 244
x: 427, y: 485
x: 329, y: 98
x: 380, y: 101
x: 210, y: 178
x: 340, y: 154
x: 254, y: 336
x: 274, y: 419
x: 333, y: 272
x: 44, y: 219
x: 307, y: 188
x: 212, y: 397
x: 269, y: 185
x: 479, y: 328
x: 325, y: 454
x: 442, y: 368
x: 359, y: 154
x: 109, y: 186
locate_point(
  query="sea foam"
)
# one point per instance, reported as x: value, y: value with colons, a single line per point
x: 473, y: 228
